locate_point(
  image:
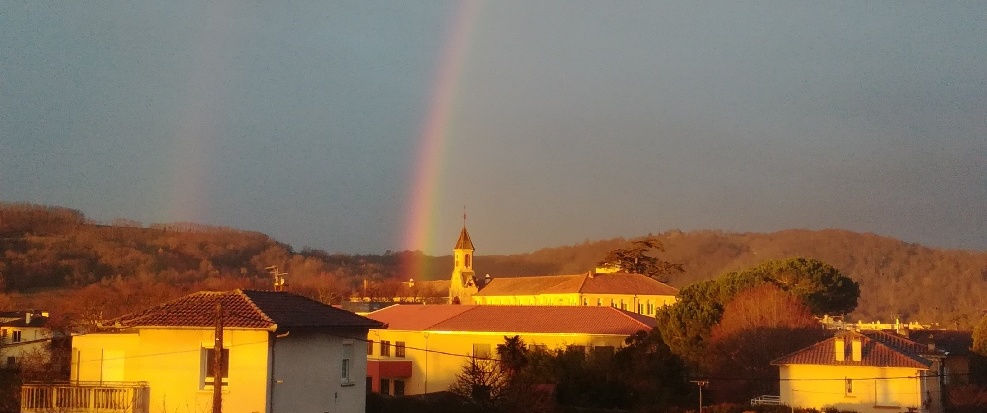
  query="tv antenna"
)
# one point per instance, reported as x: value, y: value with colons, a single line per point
x: 278, y: 277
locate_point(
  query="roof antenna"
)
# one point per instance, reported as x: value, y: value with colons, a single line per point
x: 279, y: 282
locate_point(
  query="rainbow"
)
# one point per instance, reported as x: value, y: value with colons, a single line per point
x: 419, y: 230
x: 205, y: 95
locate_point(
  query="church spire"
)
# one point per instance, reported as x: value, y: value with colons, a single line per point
x: 464, y: 242
x: 463, y: 278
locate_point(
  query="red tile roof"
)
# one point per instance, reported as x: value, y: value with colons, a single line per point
x: 588, y: 283
x: 878, y: 349
x: 513, y: 319
x: 253, y: 309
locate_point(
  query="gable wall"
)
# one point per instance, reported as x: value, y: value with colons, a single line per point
x: 874, y: 389
x: 173, y: 363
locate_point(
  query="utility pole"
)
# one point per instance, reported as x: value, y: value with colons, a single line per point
x: 701, y: 384
x: 217, y: 363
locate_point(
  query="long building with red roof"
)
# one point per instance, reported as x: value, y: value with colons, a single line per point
x: 423, y: 347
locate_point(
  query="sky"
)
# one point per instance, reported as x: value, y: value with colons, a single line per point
x: 362, y: 127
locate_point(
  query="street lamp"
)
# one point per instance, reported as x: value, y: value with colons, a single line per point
x: 701, y: 384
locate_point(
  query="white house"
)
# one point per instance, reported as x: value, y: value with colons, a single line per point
x: 21, y: 334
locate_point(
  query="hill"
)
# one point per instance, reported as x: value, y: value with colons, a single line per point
x: 55, y: 258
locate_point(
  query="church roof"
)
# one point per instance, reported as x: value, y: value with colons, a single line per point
x: 464, y: 242
x: 588, y: 283
x: 516, y: 319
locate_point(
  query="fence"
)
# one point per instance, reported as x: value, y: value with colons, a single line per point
x: 85, y: 397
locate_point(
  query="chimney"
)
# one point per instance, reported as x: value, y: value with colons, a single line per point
x: 27, y: 318
x: 932, y: 344
x: 840, y: 349
x: 900, y: 328
x: 857, y: 348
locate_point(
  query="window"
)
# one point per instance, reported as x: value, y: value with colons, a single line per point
x: 16, y: 336
x: 399, y: 349
x: 385, y: 386
x: 651, y: 307
x: 399, y: 387
x: 599, y: 302
x: 209, y: 357
x: 640, y: 308
x: 623, y: 306
x: 481, y: 351
x: 849, y: 387
x: 347, y: 363
x: 370, y: 347
x: 385, y: 348
x: 467, y: 260
x: 603, y: 352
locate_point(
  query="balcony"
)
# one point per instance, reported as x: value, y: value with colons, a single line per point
x: 85, y: 397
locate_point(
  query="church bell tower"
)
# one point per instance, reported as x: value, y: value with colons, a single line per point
x: 463, y: 283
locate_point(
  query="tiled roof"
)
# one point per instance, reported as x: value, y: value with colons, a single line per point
x: 417, y: 317
x: 954, y: 342
x: 626, y: 283
x: 516, y: 319
x: 244, y: 309
x: 614, y: 283
x: 878, y: 349
x: 464, y: 242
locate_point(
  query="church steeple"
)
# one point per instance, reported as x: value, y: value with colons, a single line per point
x: 463, y: 283
x: 464, y: 243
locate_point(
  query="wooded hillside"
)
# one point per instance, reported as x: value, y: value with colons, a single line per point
x: 54, y: 258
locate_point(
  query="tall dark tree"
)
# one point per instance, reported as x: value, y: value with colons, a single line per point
x: 823, y: 287
x: 636, y: 259
x: 513, y: 354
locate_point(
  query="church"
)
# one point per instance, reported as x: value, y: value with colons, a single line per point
x: 598, y: 288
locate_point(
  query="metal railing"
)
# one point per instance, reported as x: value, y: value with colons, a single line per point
x: 766, y: 399
x: 85, y: 397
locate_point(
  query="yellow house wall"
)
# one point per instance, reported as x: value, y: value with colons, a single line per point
x: 438, y: 356
x: 818, y: 386
x: 173, y: 364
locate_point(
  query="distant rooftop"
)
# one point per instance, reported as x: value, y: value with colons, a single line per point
x: 23, y: 319
x: 586, y: 283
